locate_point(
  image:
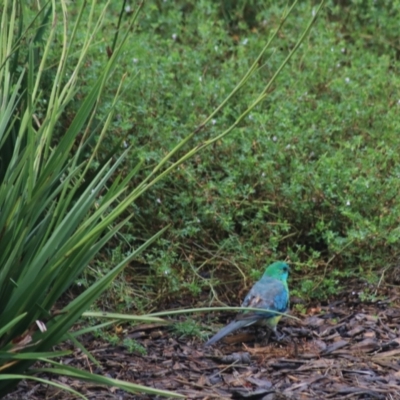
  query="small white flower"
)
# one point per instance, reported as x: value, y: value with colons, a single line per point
x: 343, y: 50
x: 338, y: 65
x: 128, y: 9
x: 213, y: 121
x: 288, y: 147
x: 251, y: 117
x: 200, y: 79
x: 347, y: 80
x: 245, y: 41
x: 135, y: 60
x: 263, y: 174
x: 274, y: 138
x: 398, y: 102
x: 125, y: 144
x: 174, y: 36
x: 347, y: 202
x: 158, y: 201
x: 197, y: 220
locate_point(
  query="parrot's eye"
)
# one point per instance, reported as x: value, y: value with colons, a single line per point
x: 285, y: 269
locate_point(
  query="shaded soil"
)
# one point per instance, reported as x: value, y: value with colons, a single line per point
x: 345, y: 350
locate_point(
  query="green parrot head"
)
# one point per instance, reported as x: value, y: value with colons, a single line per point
x: 278, y: 270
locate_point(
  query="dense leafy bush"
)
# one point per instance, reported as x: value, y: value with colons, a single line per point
x: 310, y: 176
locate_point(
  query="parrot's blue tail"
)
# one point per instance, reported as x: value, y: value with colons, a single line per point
x: 233, y: 326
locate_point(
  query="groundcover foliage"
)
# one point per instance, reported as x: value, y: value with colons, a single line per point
x: 311, y: 175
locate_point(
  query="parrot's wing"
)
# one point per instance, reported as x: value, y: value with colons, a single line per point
x: 267, y: 294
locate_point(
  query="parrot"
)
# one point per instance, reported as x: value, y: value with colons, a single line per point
x: 271, y: 292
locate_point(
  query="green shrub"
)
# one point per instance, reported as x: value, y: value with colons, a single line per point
x: 309, y: 176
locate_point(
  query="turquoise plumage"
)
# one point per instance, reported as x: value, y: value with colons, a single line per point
x: 271, y: 292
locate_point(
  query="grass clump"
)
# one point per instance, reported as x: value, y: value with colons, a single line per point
x: 188, y: 328
x: 58, y: 207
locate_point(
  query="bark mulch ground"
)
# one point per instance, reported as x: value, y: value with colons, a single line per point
x: 345, y: 350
